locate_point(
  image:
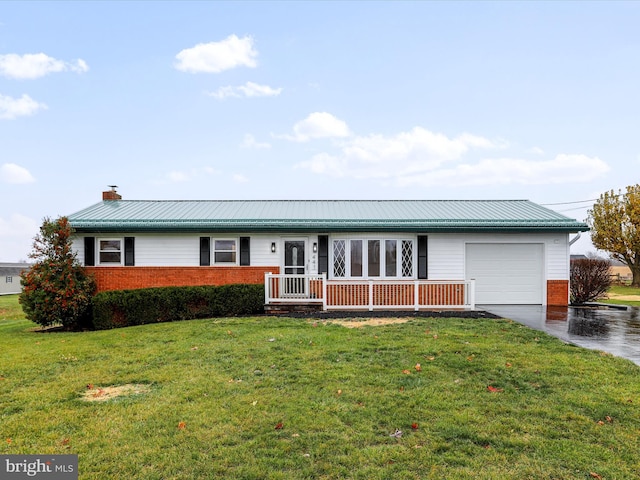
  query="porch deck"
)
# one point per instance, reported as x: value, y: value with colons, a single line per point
x: 316, y: 291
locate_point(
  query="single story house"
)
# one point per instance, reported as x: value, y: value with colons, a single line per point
x: 341, y: 254
x: 10, y: 277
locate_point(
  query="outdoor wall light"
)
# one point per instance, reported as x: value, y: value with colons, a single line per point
x: 315, y: 247
x: 273, y: 247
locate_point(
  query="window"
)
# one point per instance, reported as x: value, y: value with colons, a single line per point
x: 111, y: 251
x: 356, y: 258
x: 339, y: 258
x: 391, y: 258
x: 373, y: 258
x: 224, y: 251
x: 373, y: 254
x: 407, y: 258
x: 9, y: 279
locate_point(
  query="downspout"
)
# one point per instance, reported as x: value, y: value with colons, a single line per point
x: 575, y: 239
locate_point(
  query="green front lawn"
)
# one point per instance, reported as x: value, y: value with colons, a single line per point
x: 289, y: 398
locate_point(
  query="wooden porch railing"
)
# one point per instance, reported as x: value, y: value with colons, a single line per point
x: 369, y: 294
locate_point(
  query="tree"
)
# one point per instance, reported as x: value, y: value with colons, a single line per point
x: 57, y: 289
x: 615, y: 227
x: 590, y: 279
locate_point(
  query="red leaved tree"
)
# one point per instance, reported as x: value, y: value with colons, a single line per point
x: 590, y: 279
x: 57, y: 290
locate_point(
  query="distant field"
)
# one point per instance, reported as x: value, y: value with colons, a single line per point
x: 623, y: 295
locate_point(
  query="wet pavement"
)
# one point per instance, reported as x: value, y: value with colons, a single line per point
x: 610, y: 330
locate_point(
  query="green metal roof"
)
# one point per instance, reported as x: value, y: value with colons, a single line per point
x: 321, y: 216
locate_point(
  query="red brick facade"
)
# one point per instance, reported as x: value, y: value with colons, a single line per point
x: 558, y: 293
x: 124, y: 278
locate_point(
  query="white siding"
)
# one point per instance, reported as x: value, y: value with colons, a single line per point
x: 261, y: 255
x: 446, y: 253
x: 558, y: 257
x: 163, y: 250
x: 77, y: 246
x: 154, y: 250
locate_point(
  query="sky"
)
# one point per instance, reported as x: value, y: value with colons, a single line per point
x: 314, y: 100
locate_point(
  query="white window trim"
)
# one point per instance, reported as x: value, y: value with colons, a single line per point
x: 236, y: 241
x: 365, y: 257
x: 99, y: 250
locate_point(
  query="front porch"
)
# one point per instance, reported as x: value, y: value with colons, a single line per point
x: 315, y: 291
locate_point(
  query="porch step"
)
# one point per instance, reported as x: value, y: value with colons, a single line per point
x: 280, y: 308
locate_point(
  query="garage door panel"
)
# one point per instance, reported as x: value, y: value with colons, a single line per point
x: 506, y: 273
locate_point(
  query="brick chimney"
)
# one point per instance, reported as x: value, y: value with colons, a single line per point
x: 111, y: 194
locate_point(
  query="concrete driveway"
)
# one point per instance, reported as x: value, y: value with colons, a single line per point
x: 609, y: 330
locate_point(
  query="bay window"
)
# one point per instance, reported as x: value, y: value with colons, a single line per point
x: 373, y: 258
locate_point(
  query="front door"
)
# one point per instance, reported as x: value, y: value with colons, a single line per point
x: 294, y: 264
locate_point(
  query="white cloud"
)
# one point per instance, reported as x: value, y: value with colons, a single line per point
x: 424, y: 158
x: 318, y: 125
x: 11, y: 108
x: 239, y: 178
x: 249, y: 141
x: 564, y: 168
x: 215, y: 57
x: 12, y: 173
x: 405, y: 154
x: 36, y: 65
x: 249, y: 89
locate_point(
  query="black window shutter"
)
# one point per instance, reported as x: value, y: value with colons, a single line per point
x: 245, y: 251
x: 129, y: 251
x: 205, y: 251
x: 323, y: 253
x: 422, y: 257
x: 89, y: 251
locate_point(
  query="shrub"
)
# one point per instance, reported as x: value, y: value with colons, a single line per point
x: 123, y: 308
x: 57, y: 291
x: 590, y: 279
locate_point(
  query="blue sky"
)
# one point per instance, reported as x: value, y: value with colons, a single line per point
x: 314, y: 100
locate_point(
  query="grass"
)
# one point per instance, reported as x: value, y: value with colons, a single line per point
x: 623, y: 290
x: 280, y: 398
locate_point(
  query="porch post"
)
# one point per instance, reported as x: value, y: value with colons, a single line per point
x: 370, y: 282
x: 267, y: 276
x: 416, y: 296
x: 324, y: 291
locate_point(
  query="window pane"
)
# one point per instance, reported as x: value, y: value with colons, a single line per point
x: 339, y: 260
x: 225, y: 245
x: 110, y: 251
x: 407, y: 258
x: 224, y: 257
x: 109, y: 257
x: 356, y: 258
x: 110, y: 245
x: 373, y: 254
x: 390, y: 257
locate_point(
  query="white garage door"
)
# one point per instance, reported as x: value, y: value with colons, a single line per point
x: 506, y: 273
